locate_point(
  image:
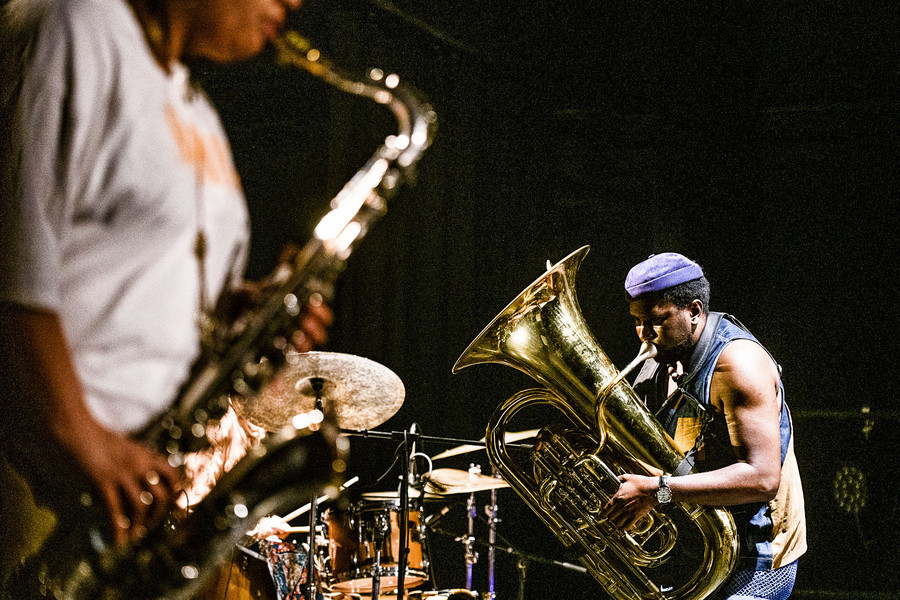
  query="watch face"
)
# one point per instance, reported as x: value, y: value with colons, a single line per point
x: 664, y: 495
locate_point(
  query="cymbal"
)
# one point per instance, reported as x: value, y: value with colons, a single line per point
x: 456, y: 481
x: 360, y: 393
x: 510, y: 437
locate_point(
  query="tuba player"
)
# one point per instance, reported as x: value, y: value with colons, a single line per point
x: 718, y: 392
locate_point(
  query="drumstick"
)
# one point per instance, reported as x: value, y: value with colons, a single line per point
x: 301, y: 529
x: 296, y: 513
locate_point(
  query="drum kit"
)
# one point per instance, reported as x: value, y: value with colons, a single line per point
x: 360, y: 553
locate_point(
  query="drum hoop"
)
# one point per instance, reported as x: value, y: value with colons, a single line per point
x: 392, y: 504
x: 389, y: 570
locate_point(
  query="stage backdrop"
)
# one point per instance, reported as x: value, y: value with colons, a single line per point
x: 757, y: 139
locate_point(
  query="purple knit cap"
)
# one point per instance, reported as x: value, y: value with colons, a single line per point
x: 660, y: 272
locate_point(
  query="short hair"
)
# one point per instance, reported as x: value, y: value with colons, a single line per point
x: 683, y: 294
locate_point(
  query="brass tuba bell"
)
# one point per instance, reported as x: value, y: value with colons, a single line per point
x: 685, y: 551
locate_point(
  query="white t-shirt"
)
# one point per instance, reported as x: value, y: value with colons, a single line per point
x: 115, y: 167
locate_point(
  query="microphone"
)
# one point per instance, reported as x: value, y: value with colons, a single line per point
x: 432, y: 520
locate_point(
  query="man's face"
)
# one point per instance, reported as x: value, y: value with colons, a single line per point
x: 669, y: 328
x: 229, y: 30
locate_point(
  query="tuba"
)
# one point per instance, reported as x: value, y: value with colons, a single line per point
x: 245, y: 355
x: 684, y: 551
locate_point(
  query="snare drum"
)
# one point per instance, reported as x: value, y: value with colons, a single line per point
x: 352, y: 547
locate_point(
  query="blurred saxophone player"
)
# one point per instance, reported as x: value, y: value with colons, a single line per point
x: 122, y: 224
x: 718, y: 392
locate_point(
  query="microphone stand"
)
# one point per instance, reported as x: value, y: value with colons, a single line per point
x: 523, y: 559
x: 493, y: 519
x: 311, y: 551
x: 404, y: 514
x: 471, y: 555
x: 311, y: 587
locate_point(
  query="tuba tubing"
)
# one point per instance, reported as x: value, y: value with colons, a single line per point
x: 607, y: 432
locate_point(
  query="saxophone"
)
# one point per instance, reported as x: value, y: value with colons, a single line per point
x: 290, y: 465
x: 253, y: 348
x: 684, y: 552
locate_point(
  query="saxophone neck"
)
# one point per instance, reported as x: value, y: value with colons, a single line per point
x: 391, y: 165
x: 415, y: 117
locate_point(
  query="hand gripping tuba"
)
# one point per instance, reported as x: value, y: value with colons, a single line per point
x: 683, y: 552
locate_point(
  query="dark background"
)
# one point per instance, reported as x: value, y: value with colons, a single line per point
x: 756, y: 138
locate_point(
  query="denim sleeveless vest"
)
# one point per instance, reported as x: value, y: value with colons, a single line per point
x: 754, y: 521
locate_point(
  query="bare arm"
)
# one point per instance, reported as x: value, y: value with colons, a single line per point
x: 745, y: 386
x: 56, y: 428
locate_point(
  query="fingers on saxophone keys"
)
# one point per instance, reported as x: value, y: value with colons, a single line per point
x: 123, y: 522
x: 300, y: 342
x: 126, y: 530
x: 151, y: 477
x: 158, y: 493
x: 119, y: 521
x: 315, y: 333
x: 154, y: 489
x: 318, y: 309
x: 134, y: 507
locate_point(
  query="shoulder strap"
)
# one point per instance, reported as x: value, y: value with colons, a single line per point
x: 734, y: 320
x: 698, y: 358
x: 701, y: 350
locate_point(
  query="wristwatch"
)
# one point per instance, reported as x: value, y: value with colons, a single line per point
x: 663, y: 494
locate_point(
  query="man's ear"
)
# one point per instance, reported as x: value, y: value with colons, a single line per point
x: 696, y: 310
